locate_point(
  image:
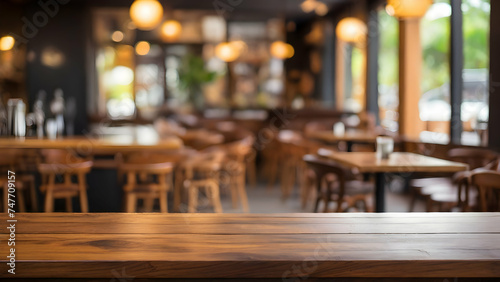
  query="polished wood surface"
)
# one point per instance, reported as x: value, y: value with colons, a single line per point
x: 85, y: 144
x: 350, y: 135
x: 255, y: 245
x: 397, y: 162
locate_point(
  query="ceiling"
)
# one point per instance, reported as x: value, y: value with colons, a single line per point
x: 241, y: 9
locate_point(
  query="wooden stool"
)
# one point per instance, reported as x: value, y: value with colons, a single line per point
x: 67, y: 189
x: 148, y: 178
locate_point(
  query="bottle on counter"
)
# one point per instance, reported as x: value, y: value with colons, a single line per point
x: 16, y: 117
x: 39, y: 113
x: 57, y: 109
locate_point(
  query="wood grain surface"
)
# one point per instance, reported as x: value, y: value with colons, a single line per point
x: 398, y: 162
x: 61, y: 245
x: 85, y: 144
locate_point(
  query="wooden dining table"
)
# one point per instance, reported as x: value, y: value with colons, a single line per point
x: 398, y: 162
x: 350, y: 137
x: 283, y: 247
x: 93, y: 144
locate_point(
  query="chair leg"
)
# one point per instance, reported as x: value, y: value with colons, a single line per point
x: 69, y: 204
x: 192, y: 199
x: 49, y: 200
x: 316, y: 205
x: 5, y: 197
x: 326, y: 199
x: 84, y: 202
x: 215, y: 197
x: 21, y: 201
x: 163, y: 202
x: 273, y: 172
x: 413, y: 200
x: 32, y: 190
x: 131, y: 200
x: 243, y: 193
x: 429, y: 205
x: 149, y: 203
x: 252, y: 173
x: 179, y: 179
x: 234, y: 189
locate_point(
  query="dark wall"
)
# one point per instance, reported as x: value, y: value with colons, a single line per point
x: 64, y: 30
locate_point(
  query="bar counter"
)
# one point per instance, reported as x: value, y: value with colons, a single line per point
x: 278, y: 246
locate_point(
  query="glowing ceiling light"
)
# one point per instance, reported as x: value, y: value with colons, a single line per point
x: 7, y: 43
x: 408, y: 8
x: 308, y: 6
x: 146, y: 14
x: 171, y: 30
x: 142, y: 48
x: 351, y: 30
x: 321, y: 9
x: 227, y: 52
x: 282, y: 50
x: 117, y: 36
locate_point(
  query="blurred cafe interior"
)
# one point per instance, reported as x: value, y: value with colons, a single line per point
x: 203, y: 122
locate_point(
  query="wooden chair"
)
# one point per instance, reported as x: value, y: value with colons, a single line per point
x: 13, y: 160
x: 148, y: 177
x: 447, y: 192
x: 234, y: 167
x: 203, y: 173
x: 488, y: 184
x: 293, y: 169
x: 61, y: 165
x: 331, y: 185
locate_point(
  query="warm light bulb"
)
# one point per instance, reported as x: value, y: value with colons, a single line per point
x: 146, y: 14
x: 308, y: 6
x: 171, y: 30
x: 142, y: 48
x: 351, y: 30
x: 321, y: 9
x: 117, y: 36
x: 227, y: 52
x: 408, y: 8
x: 7, y: 43
x: 282, y: 50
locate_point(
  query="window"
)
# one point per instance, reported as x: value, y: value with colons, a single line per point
x: 476, y: 22
x: 388, y: 74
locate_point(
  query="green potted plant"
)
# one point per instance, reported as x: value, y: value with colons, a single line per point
x: 192, y: 76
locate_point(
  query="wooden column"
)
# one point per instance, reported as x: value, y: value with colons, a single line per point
x: 494, y: 118
x: 410, y: 67
x: 339, y: 74
x: 372, y: 65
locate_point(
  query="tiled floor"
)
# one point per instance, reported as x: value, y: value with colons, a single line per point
x: 263, y: 200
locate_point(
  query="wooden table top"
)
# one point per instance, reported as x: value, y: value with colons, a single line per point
x: 119, y: 143
x: 62, y: 245
x: 350, y: 135
x: 397, y: 162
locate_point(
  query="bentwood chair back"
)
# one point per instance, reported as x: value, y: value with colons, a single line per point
x: 448, y: 193
x: 488, y: 184
x: 202, y: 172
x: 59, y: 169
x: 474, y: 157
x: 235, y: 162
x: 148, y: 177
x: 325, y: 171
